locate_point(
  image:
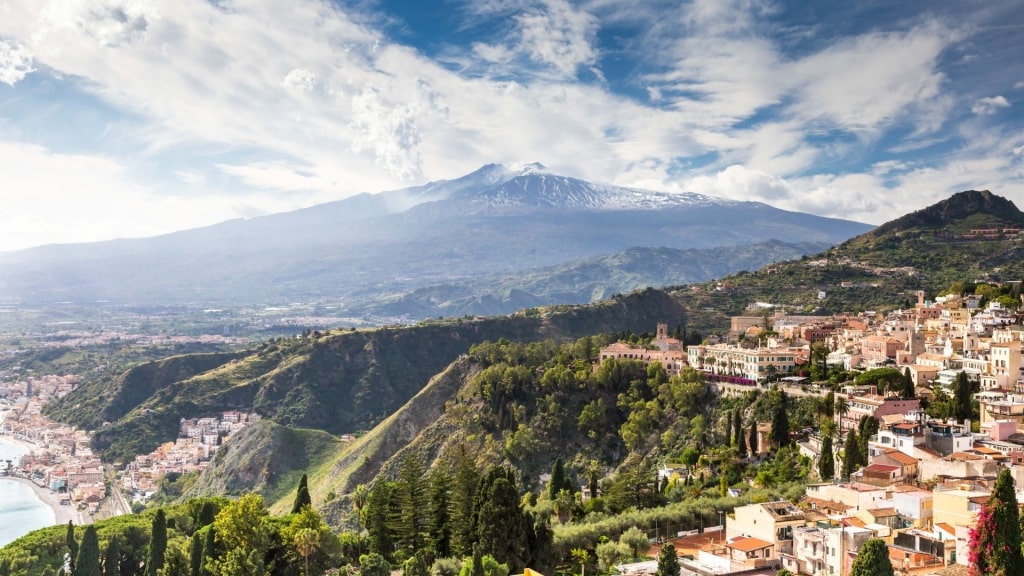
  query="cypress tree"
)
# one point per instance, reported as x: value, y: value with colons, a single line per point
x: 741, y: 441
x: 872, y: 560
x: 668, y: 562
x: 195, y: 555
x: 72, y: 544
x: 962, y: 396
x: 557, y: 481
x: 994, y: 546
x: 752, y: 440
x: 157, y: 543
x: 301, y: 496
x: 826, y: 460
x: 209, y: 551
x: 88, y: 563
x: 112, y: 558
x: 851, y: 454
x: 780, y: 422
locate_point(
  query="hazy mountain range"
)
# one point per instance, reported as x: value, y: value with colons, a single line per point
x: 490, y: 242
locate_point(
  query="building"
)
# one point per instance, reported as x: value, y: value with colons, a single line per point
x: 875, y: 406
x: 772, y: 522
x: 750, y: 364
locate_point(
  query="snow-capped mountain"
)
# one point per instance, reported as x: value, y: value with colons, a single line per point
x: 494, y: 221
x: 497, y: 188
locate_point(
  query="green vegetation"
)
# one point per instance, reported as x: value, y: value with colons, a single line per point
x: 873, y: 560
x: 994, y: 546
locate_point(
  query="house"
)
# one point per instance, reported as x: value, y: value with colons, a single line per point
x: 875, y: 406
x: 906, y: 463
x: 772, y: 522
x: 751, y: 552
x: 914, y: 505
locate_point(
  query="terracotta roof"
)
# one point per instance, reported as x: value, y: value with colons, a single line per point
x: 854, y: 522
x: 881, y: 468
x: 904, y: 459
x: 748, y: 544
x: 882, y: 512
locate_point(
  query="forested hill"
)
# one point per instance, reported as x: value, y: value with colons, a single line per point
x: 341, y: 381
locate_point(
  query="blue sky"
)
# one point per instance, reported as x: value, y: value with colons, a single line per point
x: 122, y: 118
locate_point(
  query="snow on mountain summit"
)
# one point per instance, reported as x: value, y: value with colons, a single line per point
x: 532, y: 186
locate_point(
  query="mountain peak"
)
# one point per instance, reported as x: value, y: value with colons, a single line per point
x: 977, y: 206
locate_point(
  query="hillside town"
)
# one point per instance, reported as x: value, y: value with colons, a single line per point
x: 61, y: 460
x: 921, y: 489
x: 926, y: 478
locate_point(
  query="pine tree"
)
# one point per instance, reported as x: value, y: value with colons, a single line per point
x: 157, y: 543
x: 112, y: 558
x: 411, y: 524
x: 668, y: 562
x: 872, y: 560
x: 463, y: 497
x: 826, y: 461
x: 994, y: 547
x: 88, y: 562
x: 378, y: 508
x: 301, y: 496
x: 440, y: 528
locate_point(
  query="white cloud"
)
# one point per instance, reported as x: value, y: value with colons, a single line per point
x: 989, y: 106
x: 15, y: 62
x: 559, y: 36
x: 299, y: 79
x: 110, y: 23
x: 739, y: 183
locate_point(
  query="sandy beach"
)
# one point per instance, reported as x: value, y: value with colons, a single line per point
x: 52, y: 499
x: 61, y: 513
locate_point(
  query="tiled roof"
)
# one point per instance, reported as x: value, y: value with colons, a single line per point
x: 748, y: 544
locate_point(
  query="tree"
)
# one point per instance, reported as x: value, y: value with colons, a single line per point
x: 243, y: 535
x: 209, y: 552
x: 851, y: 454
x: 994, y: 546
x: 842, y: 409
x: 306, y: 541
x: 963, y: 393
x: 373, y: 565
x: 557, y: 479
x: 195, y: 555
x: 780, y: 422
x: 72, y: 544
x: 411, y: 497
x: 636, y: 540
x: 872, y: 560
x: 157, y: 543
x: 302, y: 496
x: 440, y: 529
x: 88, y: 563
x: 752, y: 440
x: 463, y: 497
x: 741, y: 440
x: 826, y: 461
x: 112, y: 558
x: 668, y: 562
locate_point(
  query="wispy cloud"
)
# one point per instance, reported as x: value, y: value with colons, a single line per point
x: 990, y: 105
x: 280, y: 105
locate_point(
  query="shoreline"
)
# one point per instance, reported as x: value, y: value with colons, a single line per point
x: 62, y: 514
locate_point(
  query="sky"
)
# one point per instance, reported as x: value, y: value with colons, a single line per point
x: 128, y: 118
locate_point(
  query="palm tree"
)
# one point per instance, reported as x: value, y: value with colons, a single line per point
x: 842, y: 409
x: 307, y: 540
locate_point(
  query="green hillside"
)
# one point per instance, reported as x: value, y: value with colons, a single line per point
x: 339, y: 382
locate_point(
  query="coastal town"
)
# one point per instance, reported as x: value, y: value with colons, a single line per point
x: 69, y: 477
x: 920, y: 491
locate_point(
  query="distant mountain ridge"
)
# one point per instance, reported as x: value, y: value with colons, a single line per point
x: 373, y: 248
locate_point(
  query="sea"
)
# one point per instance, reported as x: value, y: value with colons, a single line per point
x: 21, y: 511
